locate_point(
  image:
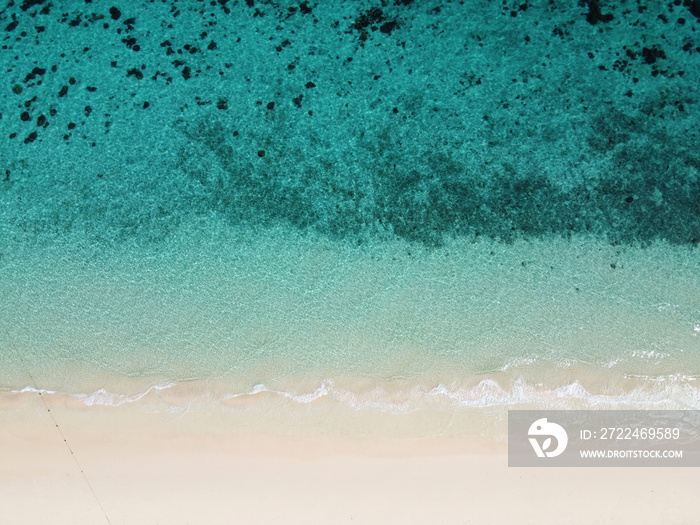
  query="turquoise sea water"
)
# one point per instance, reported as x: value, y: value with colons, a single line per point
x: 380, y: 203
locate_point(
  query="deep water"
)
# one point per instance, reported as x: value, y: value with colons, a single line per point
x: 358, y: 120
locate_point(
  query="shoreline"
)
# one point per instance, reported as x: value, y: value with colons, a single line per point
x: 472, y: 412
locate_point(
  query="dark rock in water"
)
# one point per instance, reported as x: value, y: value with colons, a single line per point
x: 594, y: 13
x: 305, y: 9
x: 388, y: 27
x: 28, y: 4
x: 694, y: 7
x: 369, y: 17
x: 135, y: 73
x: 651, y: 54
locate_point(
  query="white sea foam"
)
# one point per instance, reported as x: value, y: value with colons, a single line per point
x: 675, y: 391
x: 659, y: 392
x: 488, y: 393
x: 34, y: 390
x: 100, y: 397
x: 318, y: 393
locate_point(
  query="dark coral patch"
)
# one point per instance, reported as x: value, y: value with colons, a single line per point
x: 595, y: 14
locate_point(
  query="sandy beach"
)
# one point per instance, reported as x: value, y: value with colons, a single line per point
x: 142, y: 468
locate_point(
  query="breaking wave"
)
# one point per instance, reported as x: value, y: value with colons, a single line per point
x: 668, y: 392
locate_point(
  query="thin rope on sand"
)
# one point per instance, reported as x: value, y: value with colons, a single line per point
x: 70, y: 449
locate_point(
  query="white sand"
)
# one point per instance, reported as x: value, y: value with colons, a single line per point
x: 149, y: 469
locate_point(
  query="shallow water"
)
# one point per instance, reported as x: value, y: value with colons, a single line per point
x: 254, y: 319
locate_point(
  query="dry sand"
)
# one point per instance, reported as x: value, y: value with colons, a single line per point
x: 150, y: 468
